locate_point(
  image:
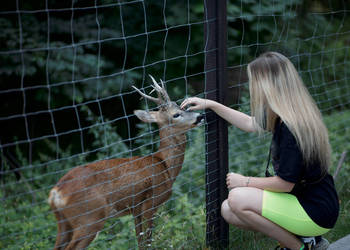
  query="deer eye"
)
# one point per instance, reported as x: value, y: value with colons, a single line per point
x: 176, y: 115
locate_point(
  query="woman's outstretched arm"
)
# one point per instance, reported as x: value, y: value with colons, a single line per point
x: 236, y: 118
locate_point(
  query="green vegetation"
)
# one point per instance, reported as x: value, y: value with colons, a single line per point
x: 27, y: 222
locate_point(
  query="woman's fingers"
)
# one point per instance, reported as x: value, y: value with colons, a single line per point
x: 184, y: 103
x: 194, y: 103
x: 190, y: 101
x: 234, y: 180
x: 228, y: 180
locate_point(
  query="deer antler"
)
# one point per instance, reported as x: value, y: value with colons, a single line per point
x: 163, y: 96
x: 156, y: 100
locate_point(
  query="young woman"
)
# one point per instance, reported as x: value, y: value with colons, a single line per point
x: 300, y: 200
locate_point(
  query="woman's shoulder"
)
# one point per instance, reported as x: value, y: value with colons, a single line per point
x: 281, y: 129
x: 284, y: 135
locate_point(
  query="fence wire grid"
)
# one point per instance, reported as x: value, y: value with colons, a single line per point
x: 67, y: 70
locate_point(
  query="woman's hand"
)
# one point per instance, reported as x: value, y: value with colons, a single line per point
x: 236, y: 118
x: 195, y: 103
x: 234, y: 180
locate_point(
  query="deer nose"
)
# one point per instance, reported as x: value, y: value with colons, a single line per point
x: 199, y: 119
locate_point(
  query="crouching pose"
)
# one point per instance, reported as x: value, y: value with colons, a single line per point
x: 300, y: 200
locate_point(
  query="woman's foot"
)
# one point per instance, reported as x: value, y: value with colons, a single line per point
x: 315, y: 243
x: 321, y: 244
x: 310, y: 243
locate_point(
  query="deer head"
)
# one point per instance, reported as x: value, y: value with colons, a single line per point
x: 169, y: 114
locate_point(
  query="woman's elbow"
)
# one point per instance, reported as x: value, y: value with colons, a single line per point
x: 281, y: 185
x: 249, y: 126
x: 285, y: 186
x: 289, y: 187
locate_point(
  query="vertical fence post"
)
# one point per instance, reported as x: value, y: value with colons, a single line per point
x: 215, y: 35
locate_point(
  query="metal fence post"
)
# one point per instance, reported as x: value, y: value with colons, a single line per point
x: 215, y: 35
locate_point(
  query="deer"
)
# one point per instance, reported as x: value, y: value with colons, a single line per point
x: 87, y: 195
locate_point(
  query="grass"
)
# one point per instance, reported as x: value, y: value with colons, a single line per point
x: 27, y: 222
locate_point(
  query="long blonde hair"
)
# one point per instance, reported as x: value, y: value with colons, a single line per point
x: 276, y: 90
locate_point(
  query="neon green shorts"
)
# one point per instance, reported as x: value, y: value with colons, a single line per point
x: 285, y: 210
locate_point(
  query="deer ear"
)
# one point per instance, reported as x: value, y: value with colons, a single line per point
x: 146, y: 116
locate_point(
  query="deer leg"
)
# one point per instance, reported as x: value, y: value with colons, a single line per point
x: 148, y: 216
x: 137, y: 213
x: 64, y: 231
x: 84, y: 235
x: 86, y: 223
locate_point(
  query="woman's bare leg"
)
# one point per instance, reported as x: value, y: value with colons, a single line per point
x: 245, y: 205
x: 231, y: 218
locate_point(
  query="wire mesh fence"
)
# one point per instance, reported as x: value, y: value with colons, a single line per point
x: 66, y: 100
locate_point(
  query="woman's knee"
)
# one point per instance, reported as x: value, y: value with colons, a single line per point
x: 229, y: 215
x: 235, y: 199
x: 225, y: 210
x: 240, y: 199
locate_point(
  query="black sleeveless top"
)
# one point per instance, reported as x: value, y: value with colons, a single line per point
x: 318, y: 196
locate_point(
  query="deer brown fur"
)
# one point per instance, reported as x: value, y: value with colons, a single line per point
x: 88, y: 195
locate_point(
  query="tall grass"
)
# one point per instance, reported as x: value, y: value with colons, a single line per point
x: 27, y: 222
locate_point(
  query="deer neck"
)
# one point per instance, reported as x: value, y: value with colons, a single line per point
x: 172, y: 148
